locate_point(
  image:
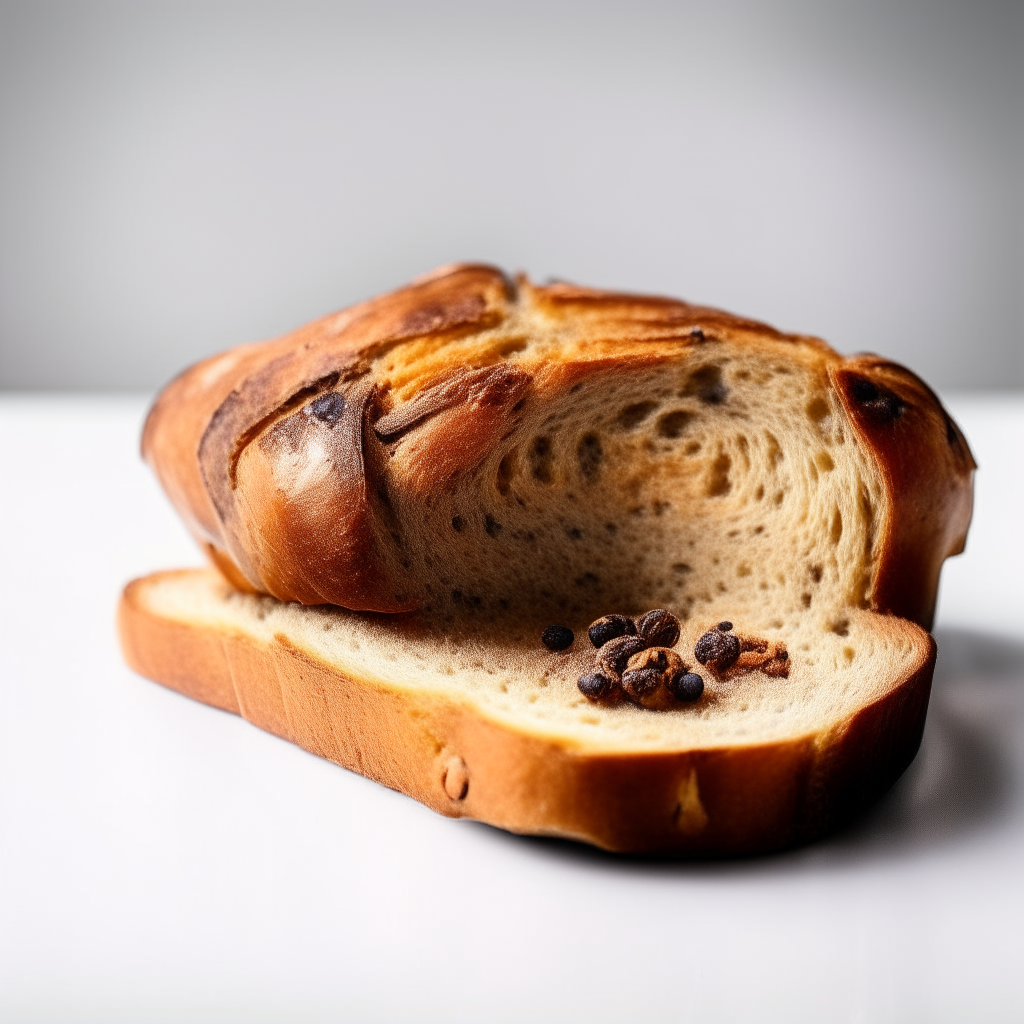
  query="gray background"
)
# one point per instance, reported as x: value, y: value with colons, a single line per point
x: 178, y: 178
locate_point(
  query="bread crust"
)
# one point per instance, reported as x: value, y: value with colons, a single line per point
x: 234, y: 412
x: 714, y: 801
x: 928, y: 472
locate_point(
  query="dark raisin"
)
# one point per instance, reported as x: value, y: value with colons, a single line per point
x: 660, y: 628
x: 327, y: 408
x: 717, y: 649
x: 881, y: 404
x: 596, y: 685
x: 686, y: 687
x: 610, y: 627
x: 458, y: 523
x: 613, y: 656
x: 724, y: 626
x: 640, y: 682
x: 662, y: 661
x: 493, y: 528
x: 557, y: 638
x: 697, y: 333
x: 863, y: 391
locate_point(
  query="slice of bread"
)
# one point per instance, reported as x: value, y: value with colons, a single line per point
x: 469, y: 460
x: 484, y: 722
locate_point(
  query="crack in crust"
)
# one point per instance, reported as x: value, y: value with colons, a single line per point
x: 486, y: 386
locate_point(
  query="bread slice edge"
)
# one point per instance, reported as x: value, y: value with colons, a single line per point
x: 460, y: 762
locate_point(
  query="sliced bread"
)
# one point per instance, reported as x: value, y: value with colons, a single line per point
x: 470, y: 461
x: 487, y: 723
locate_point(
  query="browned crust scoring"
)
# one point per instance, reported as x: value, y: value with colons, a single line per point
x: 702, y: 802
x: 205, y: 419
x: 237, y: 412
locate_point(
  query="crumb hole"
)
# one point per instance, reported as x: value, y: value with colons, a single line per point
x: 837, y: 526
x: 589, y: 456
x: 633, y: 415
x: 672, y: 424
x: 718, y: 482
x: 506, y: 471
x: 511, y: 347
x: 540, y: 459
x: 706, y: 383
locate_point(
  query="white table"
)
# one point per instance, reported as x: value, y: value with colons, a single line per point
x: 162, y: 860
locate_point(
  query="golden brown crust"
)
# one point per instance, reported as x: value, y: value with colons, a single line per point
x: 928, y: 472
x: 234, y: 415
x: 715, y: 801
x: 202, y: 423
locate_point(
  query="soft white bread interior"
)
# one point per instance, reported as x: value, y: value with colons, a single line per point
x: 719, y: 477
x: 484, y: 722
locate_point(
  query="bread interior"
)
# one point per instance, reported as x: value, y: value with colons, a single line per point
x: 502, y: 670
x: 712, y: 481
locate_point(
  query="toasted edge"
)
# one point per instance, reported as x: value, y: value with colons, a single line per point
x: 699, y: 802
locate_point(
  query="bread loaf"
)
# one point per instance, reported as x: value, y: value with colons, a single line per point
x: 468, y: 440
x: 470, y: 459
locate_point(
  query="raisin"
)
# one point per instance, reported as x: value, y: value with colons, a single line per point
x: 597, y: 685
x: 686, y: 687
x: 881, y: 404
x: 557, y: 638
x: 327, y: 408
x: 717, y: 650
x: 661, y: 659
x: 640, y: 682
x: 660, y: 628
x: 610, y: 627
x: 648, y: 670
x: 613, y: 656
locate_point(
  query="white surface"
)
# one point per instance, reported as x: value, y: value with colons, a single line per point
x: 160, y: 859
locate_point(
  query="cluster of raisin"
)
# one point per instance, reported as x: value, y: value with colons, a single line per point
x: 635, y: 660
